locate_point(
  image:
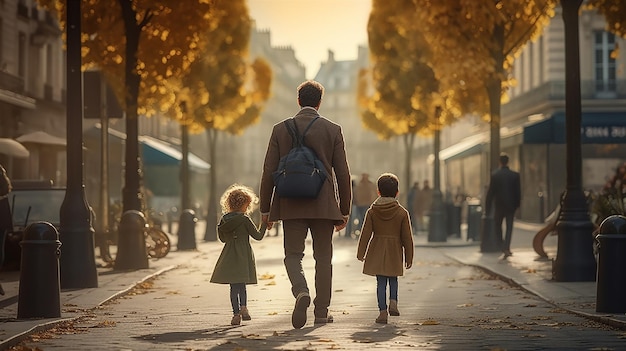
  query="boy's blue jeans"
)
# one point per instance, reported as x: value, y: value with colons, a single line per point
x: 381, y: 290
x: 238, y: 296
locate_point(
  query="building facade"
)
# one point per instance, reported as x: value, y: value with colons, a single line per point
x: 533, y: 121
x: 32, y: 90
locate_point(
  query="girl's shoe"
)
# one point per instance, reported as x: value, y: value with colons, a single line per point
x: 393, y: 308
x: 236, y: 320
x: 382, y: 318
x: 245, y: 315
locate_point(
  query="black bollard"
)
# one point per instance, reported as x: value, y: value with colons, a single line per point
x: 131, y: 242
x: 40, y: 283
x: 187, y: 230
x: 611, y: 274
x: 489, y: 242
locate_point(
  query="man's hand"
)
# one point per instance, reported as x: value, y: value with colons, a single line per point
x: 408, y: 265
x: 339, y: 227
x: 266, y: 220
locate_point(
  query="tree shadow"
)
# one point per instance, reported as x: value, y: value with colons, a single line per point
x: 232, y: 337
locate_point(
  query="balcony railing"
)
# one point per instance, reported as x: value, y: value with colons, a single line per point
x: 554, y: 91
x: 11, y: 82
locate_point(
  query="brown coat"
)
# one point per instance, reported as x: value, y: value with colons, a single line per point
x: 386, y: 240
x: 326, y: 139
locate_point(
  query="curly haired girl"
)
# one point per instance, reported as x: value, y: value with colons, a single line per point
x: 236, y: 265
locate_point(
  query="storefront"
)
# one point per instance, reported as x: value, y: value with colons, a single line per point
x: 538, y: 152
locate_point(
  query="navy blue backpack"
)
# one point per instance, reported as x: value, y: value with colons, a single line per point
x: 300, y: 173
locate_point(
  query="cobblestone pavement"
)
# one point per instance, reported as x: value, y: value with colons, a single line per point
x: 444, y: 305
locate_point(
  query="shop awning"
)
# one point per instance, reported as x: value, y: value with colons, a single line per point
x: 158, y: 152
x: 41, y: 137
x: 596, y: 128
x: 13, y: 148
x: 469, y: 146
x: 17, y: 99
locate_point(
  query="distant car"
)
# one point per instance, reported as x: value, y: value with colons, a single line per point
x: 30, y: 201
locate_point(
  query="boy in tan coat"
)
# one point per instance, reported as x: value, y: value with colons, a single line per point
x: 386, y: 244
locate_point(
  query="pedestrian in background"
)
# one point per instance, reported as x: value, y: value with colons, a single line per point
x: 364, y: 196
x: 504, y: 194
x: 422, y: 204
x: 321, y: 216
x: 410, y: 204
x: 386, y: 244
x: 353, y: 215
x: 236, y: 265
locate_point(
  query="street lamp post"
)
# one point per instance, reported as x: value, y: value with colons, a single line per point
x: 574, y: 260
x: 77, y: 260
x: 436, y: 224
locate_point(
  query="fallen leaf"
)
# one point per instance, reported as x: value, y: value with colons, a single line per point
x: 429, y: 322
x: 267, y: 276
x: 270, y: 283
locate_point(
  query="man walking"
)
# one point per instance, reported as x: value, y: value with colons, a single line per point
x: 320, y: 215
x: 365, y: 194
x: 504, y: 194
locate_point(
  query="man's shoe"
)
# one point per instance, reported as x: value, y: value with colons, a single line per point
x: 298, y: 317
x: 507, y: 254
x: 324, y: 320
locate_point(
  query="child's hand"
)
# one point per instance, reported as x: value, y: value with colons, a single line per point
x: 408, y: 265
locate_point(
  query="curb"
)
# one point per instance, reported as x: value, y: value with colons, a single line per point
x: 604, y: 319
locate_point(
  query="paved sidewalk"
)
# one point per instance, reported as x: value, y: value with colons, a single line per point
x: 522, y: 269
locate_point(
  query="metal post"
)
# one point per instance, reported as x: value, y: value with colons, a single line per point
x: 78, y: 264
x: 184, y: 169
x: 574, y: 259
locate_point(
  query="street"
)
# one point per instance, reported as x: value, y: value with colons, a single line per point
x: 443, y: 305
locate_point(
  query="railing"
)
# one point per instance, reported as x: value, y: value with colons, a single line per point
x: 555, y: 90
x: 11, y: 82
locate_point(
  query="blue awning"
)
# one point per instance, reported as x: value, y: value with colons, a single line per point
x: 158, y: 152
x: 596, y: 128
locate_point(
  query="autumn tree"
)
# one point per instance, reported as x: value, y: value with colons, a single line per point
x: 615, y: 13
x: 404, y: 92
x: 474, y: 44
x: 139, y: 45
x: 223, y: 91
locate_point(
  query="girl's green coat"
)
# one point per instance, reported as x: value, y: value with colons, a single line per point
x: 236, y: 263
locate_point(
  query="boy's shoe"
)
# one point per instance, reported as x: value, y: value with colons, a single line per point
x: 382, y: 318
x: 236, y: 320
x: 324, y: 320
x: 245, y: 315
x: 298, y: 317
x: 393, y: 308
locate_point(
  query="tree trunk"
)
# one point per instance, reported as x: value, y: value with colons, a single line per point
x: 132, y: 197
x: 210, y: 233
x: 494, y: 91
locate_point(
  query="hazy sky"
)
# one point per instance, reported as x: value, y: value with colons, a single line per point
x: 312, y: 27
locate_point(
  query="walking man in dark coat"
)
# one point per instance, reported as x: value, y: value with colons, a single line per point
x: 321, y: 216
x: 504, y: 194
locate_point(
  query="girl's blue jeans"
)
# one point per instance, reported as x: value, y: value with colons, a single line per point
x: 238, y: 296
x: 381, y: 290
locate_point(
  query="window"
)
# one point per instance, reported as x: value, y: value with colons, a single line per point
x: 604, y: 64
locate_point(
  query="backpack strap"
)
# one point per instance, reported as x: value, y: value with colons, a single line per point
x: 297, y: 139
